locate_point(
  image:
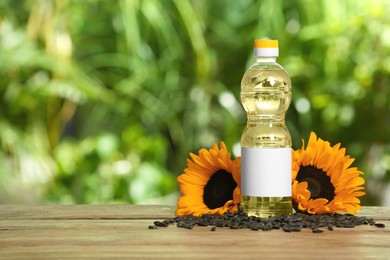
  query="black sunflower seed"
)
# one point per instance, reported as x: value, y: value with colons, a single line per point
x: 380, y: 225
x: 220, y: 224
x: 286, y: 228
x: 349, y: 225
x: 234, y: 225
x: 171, y: 220
x: 160, y: 224
x: 188, y: 225
x: 317, y: 230
x: 268, y: 227
x: 295, y: 229
x: 288, y: 223
x: 254, y: 228
x: 202, y: 223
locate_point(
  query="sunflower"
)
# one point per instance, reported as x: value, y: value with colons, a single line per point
x: 323, y: 181
x: 210, y: 183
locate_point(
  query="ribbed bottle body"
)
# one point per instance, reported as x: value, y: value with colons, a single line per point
x: 266, y: 141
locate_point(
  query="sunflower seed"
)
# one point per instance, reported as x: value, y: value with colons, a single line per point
x: 220, y: 224
x: 171, y: 220
x: 286, y: 228
x: 288, y: 223
x: 317, y: 230
x: 160, y: 224
x: 202, y: 223
x: 254, y: 227
x: 268, y: 227
x: 188, y: 225
x: 295, y: 229
x: 234, y: 226
x: 380, y: 225
x: 351, y: 225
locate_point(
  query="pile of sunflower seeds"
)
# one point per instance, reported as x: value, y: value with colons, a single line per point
x: 288, y: 223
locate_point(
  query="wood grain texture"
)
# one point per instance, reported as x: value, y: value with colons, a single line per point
x: 121, y: 231
x: 85, y: 211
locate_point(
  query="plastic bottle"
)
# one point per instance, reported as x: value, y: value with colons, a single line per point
x: 266, y: 142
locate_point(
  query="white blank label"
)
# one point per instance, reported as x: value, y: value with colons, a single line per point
x: 266, y: 172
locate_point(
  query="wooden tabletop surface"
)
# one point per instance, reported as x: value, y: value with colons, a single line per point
x: 121, y: 231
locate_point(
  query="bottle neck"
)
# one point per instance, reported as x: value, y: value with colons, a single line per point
x: 265, y: 59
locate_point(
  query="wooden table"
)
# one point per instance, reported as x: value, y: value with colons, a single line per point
x: 121, y: 231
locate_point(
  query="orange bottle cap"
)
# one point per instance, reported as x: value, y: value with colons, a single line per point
x: 267, y: 48
x: 266, y: 44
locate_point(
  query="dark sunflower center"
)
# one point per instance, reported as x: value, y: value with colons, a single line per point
x: 318, y: 181
x: 219, y: 189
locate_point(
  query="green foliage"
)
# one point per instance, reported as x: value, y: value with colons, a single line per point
x: 101, y: 101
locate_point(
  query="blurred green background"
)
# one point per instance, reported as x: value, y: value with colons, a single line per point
x: 101, y: 101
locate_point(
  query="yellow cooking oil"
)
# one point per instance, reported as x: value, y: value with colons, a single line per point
x: 266, y: 142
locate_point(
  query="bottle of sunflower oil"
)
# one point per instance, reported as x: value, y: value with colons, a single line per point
x: 266, y: 142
